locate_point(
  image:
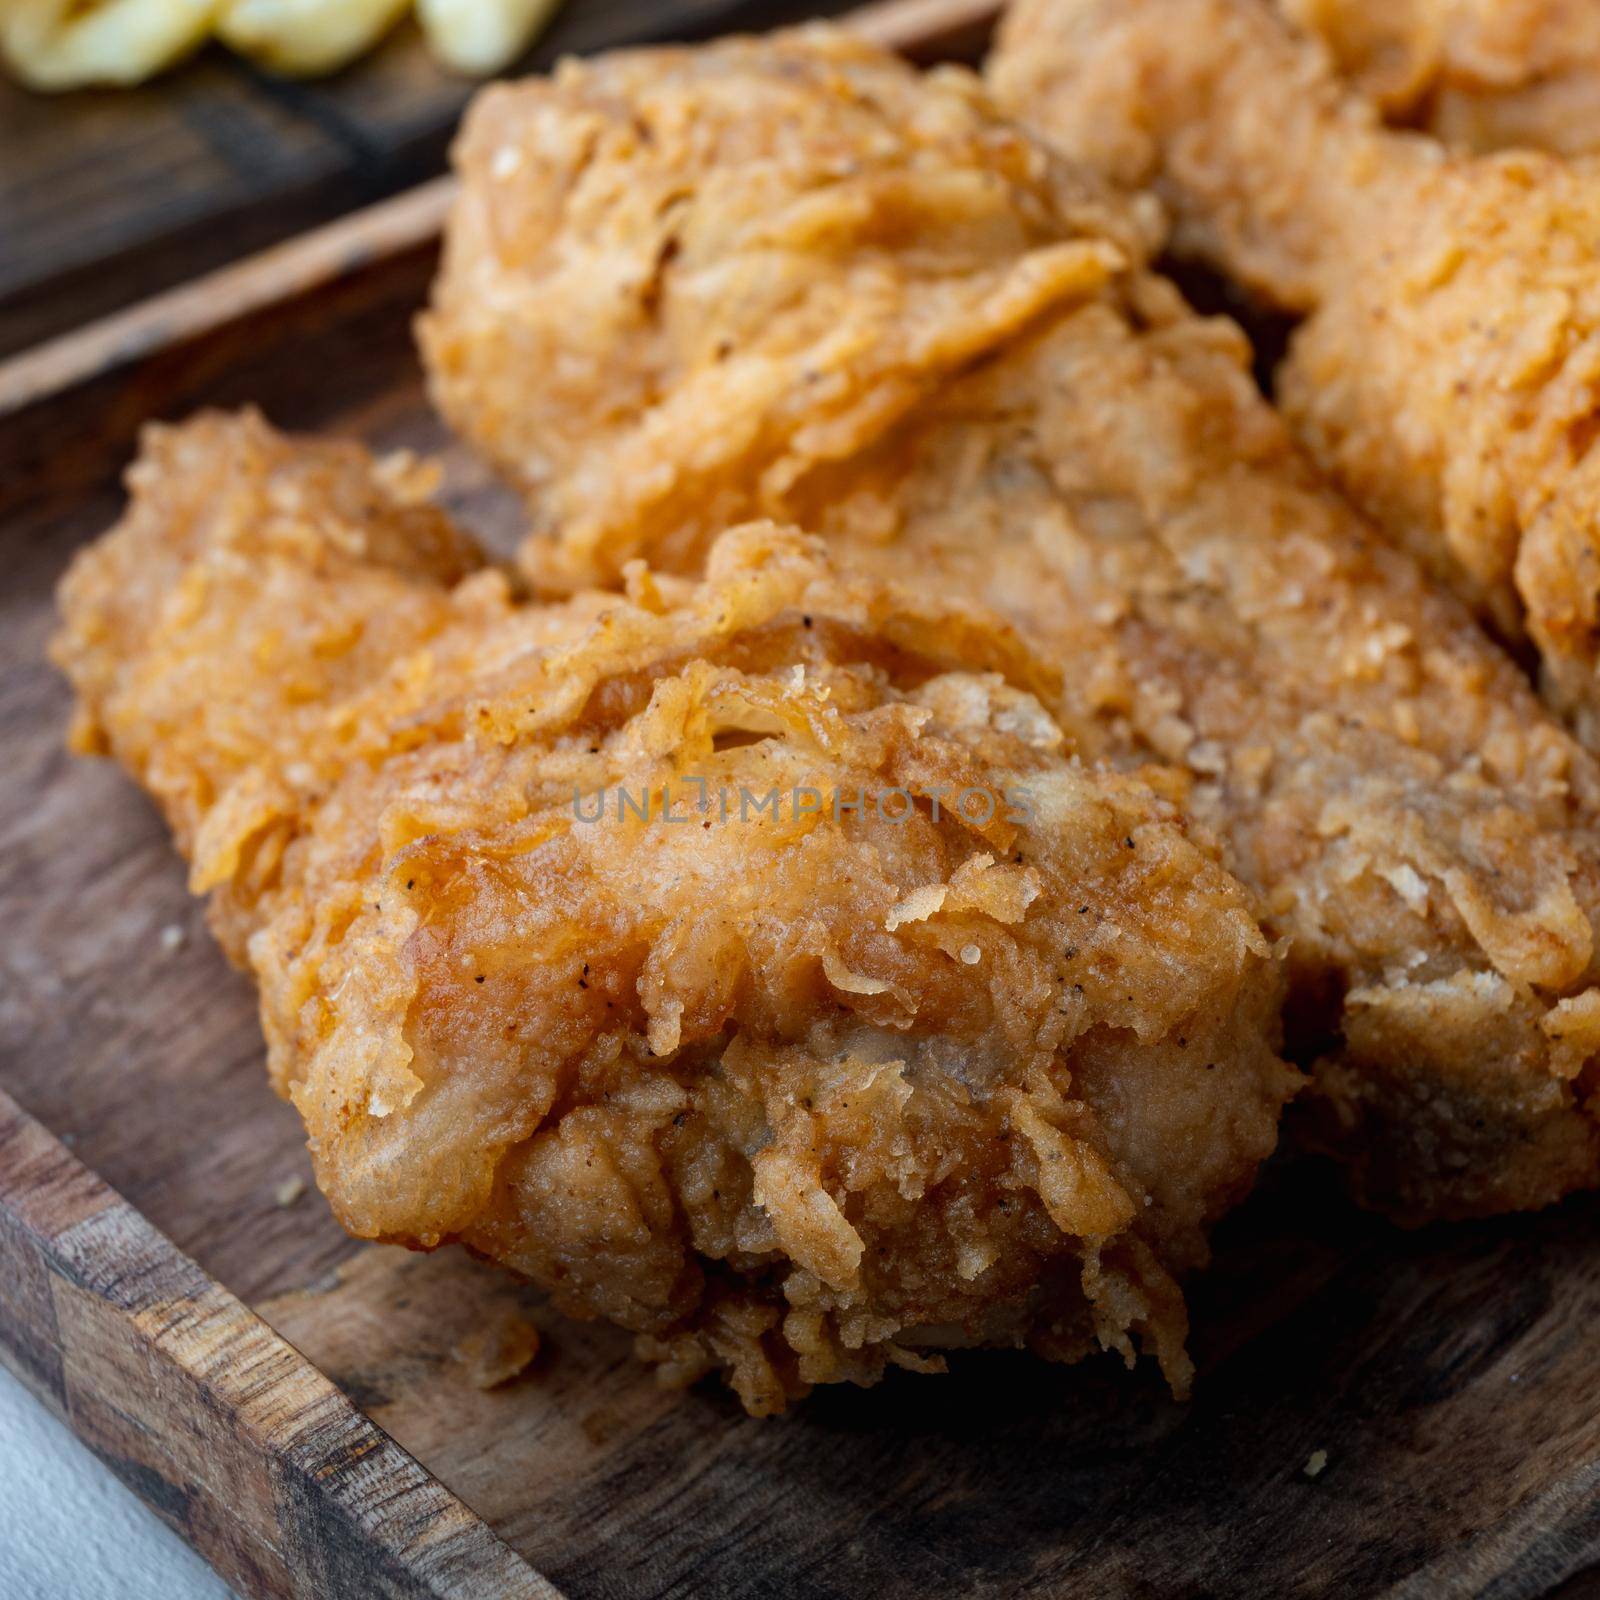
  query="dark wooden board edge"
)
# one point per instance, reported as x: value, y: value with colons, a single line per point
x: 221, y: 1427
x: 924, y: 28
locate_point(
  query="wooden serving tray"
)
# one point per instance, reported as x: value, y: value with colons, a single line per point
x: 290, y: 1400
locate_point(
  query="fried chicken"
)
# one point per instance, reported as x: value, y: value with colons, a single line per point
x: 793, y: 1087
x: 1448, y: 370
x: 792, y: 279
x: 1480, y: 74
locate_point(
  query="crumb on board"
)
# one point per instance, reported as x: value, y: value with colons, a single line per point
x: 173, y: 938
x: 289, y: 1191
x: 1315, y: 1463
x: 499, y: 1352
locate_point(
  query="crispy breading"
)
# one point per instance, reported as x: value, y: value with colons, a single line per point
x: 1447, y: 372
x: 792, y: 279
x: 796, y: 1089
x: 1481, y: 74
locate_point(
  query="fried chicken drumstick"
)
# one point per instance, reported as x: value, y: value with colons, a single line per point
x: 1448, y: 372
x: 792, y: 1090
x: 1480, y: 74
x: 793, y: 279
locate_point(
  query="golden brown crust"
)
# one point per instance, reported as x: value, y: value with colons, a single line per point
x: 1096, y: 465
x: 791, y: 1093
x: 1445, y: 375
x: 911, y: 233
x: 1479, y: 74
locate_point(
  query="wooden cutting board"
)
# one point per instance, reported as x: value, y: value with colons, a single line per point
x: 295, y: 1404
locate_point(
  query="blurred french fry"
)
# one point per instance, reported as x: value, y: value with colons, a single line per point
x: 479, y: 37
x: 67, y: 44
x: 305, y: 38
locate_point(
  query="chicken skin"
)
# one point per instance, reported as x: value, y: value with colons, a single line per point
x: 1480, y: 74
x: 792, y: 279
x: 908, y: 1029
x: 1448, y: 371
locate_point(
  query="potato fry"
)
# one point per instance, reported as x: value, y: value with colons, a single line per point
x: 480, y: 37
x: 306, y: 38
x: 65, y: 44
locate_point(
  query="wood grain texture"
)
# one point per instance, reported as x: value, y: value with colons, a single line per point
x: 1448, y: 1374
x: 274, y: 1476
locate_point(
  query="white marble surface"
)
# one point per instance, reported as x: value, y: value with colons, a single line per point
x: 70, y: 1531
